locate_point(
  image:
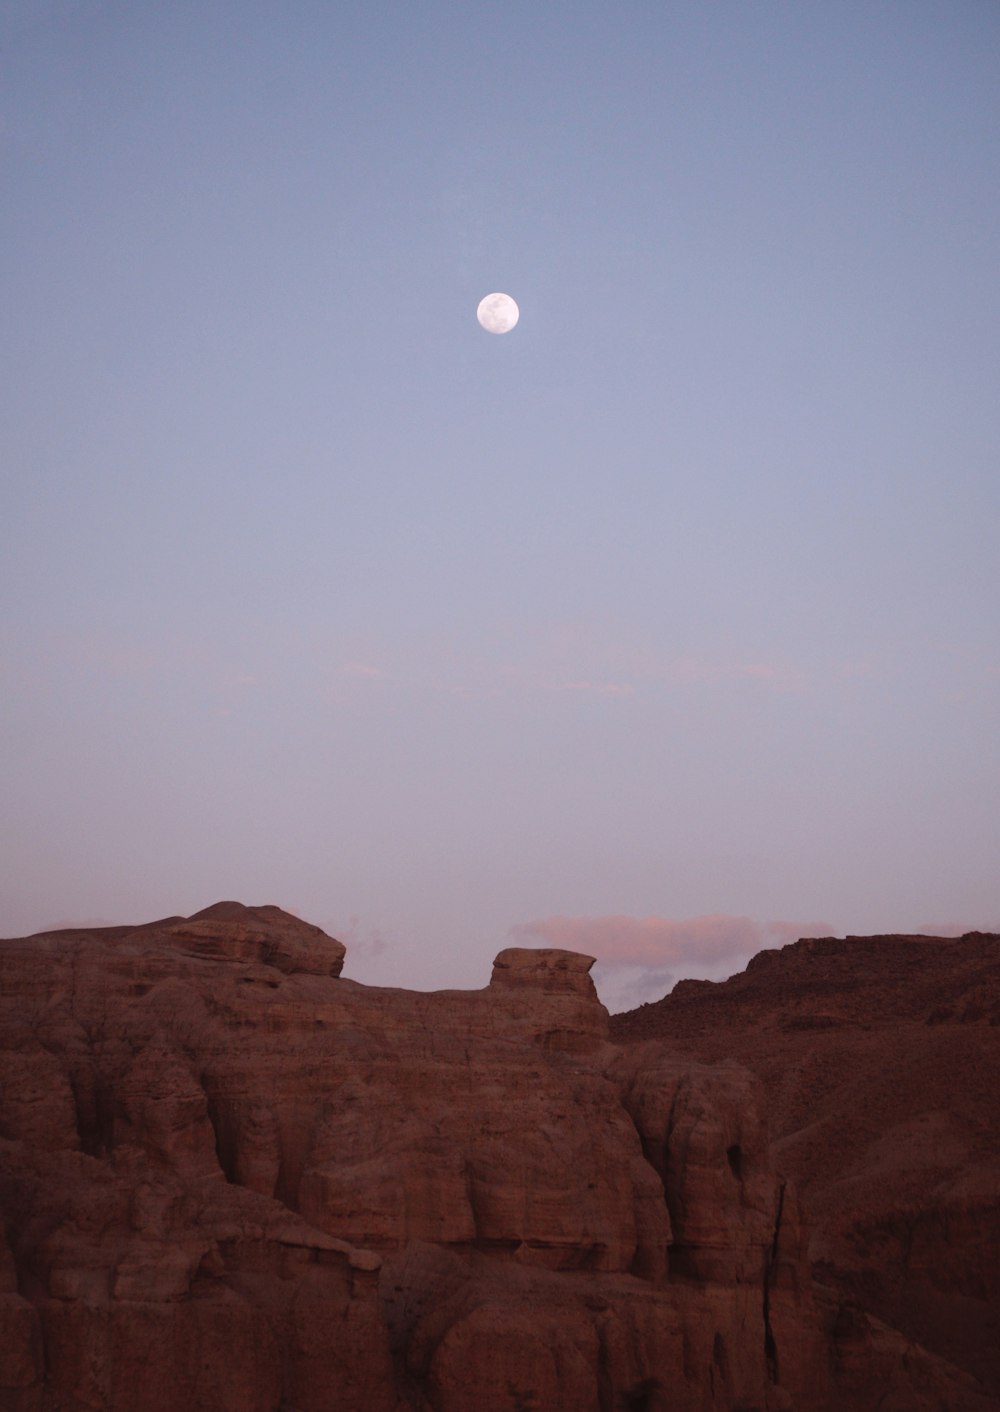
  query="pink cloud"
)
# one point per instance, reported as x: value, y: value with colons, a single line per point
x: 608, y: 659
x: 572, y: 659
x: 654, y: 943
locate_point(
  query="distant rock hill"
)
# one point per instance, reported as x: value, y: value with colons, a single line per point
x: 879, y: 1059
x: 232, y: 1181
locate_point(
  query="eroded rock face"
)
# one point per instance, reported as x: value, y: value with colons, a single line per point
x: 231, y: 932
x: 231, y: 1180
x: 878, y: 1059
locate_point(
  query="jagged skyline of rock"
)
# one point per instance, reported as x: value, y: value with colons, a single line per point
x: 233, y: 1180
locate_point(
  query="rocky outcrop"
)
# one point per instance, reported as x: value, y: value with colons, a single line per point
x: 878, y: 1060
x: 231, y: 932
x: 547, y: 996
x: 231, y: 1179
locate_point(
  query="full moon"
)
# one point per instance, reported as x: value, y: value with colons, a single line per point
x: 498, y: 313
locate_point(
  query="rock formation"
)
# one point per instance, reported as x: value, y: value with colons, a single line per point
x: 232, y: 1180
x: 879, y: 1059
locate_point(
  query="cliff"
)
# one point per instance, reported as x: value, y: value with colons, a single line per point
x: 880, y: 1061
x: 232, y: 1180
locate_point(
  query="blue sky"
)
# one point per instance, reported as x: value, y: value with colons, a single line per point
x: 679, y: 602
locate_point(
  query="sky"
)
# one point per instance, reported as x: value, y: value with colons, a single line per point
x: 664, y: 627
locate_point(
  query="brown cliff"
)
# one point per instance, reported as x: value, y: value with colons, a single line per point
x: 231, y: 1180
x: 879, y: 1059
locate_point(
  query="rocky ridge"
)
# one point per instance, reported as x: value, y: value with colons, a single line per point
x: 231, y: 1179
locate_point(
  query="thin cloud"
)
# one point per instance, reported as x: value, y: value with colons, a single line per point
x: 627, y: 987
x: 581, y: 659
x: 644, y: 941
x: 640, y: 958
x: 657, y: 943
x: 360, y: 940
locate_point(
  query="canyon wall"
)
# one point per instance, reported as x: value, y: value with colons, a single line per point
x: 233, y: 1181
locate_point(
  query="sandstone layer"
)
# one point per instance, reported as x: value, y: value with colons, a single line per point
x: 231, y: 1179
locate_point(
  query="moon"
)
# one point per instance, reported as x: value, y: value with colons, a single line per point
x: 498, y: 313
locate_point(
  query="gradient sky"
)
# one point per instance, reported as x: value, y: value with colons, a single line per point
x: 666, y: 626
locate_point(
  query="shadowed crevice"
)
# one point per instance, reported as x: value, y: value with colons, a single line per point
x: 770, y: 1347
